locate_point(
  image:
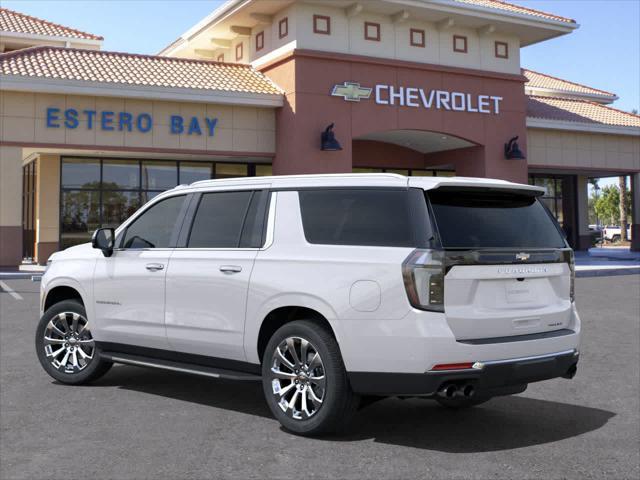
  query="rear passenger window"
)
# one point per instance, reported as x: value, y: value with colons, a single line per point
x: 368, y: 217
x: 229, y: 220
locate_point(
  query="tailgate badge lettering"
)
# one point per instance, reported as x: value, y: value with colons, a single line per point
x: 522, y: 256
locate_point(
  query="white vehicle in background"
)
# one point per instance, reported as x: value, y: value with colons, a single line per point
x: 328, y: 289
x: 612, y: 233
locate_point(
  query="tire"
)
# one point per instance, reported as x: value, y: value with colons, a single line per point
x: 460, y: 403
x: 65, y: 327
x: 322, y: 361
x: 615, y: 238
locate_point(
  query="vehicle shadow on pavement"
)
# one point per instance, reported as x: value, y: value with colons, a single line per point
x: 503, y: 423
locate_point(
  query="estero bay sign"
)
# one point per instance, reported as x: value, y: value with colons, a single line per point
x: 106, y: 120
x: 418, y: 97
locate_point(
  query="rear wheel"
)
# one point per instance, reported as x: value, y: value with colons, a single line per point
x: 304, y: 380
x: 65, y: 346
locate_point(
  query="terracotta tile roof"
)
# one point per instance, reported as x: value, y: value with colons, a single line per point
x: 135, y: 70
x: 541, y: 80
x: 511, y: 8
x: 581, y: 111
x: 16, y: 22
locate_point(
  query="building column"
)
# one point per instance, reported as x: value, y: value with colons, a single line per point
x: 47, y: 207
x: 582, y: 204
x: 635, y: 211
x: 10, y: 206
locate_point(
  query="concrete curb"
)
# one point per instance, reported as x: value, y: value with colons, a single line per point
x: 613, y: 272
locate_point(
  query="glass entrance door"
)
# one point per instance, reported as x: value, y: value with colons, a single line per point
x: 29, y: 173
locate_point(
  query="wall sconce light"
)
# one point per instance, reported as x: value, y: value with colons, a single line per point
x: 512, y: 150
x: 328, y: 142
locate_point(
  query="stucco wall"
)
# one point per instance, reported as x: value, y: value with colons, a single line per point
x: 347, y: 36
x: 23, y: 119
x: 565, y: 149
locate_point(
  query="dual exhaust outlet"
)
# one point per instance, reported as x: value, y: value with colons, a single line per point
x: 451, y: 390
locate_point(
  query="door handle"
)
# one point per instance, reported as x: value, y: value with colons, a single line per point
x: 229, y: 269
x: 154, y: 267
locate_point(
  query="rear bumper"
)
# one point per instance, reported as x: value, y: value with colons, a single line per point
x: 501, y: 377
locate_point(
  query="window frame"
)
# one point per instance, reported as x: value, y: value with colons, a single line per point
x: 190, y: 216
x: 378, y: 28
x: 283, y: 28
x: 316, y: 25
x: 496, y: 45
x: 423, y: 35
x: 465, y: 40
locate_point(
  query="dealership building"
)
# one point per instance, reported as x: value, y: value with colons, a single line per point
x: 416, y: 87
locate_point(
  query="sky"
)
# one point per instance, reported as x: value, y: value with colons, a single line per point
x: 603, y: 53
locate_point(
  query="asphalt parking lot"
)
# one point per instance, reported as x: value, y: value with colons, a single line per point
x: 137, y: 423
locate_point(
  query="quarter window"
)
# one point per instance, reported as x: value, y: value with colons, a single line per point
x: 365, y: 217
x: 155, y: 227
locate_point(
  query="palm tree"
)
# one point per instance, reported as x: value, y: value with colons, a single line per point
x: 623, y: 207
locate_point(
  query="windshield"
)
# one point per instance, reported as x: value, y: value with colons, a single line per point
x: 493, y: 219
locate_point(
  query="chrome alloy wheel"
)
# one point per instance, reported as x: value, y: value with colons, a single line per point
x: 68, y: 344
x: 298, y: 378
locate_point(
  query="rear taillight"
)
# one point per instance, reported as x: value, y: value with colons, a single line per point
x: 570, y: 258
x: 423, y: 273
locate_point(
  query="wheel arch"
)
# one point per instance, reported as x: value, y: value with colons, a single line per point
x: 59, y: 293
x: 286, y: 314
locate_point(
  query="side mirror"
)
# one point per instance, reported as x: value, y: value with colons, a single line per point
x: 104, y: 239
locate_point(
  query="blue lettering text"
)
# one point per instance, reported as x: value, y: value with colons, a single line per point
x: 194, y: 126
x: 71, y: 118
x: 52, y: 116
x: 176, y: 124
x: 211, y: 125
x: 107, y: 121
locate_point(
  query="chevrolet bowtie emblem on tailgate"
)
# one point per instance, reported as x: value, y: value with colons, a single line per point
x: 351, y: 91
x: 522, y: 256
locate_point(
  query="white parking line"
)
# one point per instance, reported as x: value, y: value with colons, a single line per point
x: 10, y: 291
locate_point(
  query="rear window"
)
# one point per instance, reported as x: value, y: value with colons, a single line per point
x: 490, y: 219
x: 367, y: 217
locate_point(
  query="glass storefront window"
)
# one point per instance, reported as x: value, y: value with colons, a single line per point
x: 105, y: 192
x: 421, y: 173
x: 552, y: 197
x: 117, y: 206
x: 264, y: 170
x: 121, y: 174
x: 159, y: 175
x: 194, y: 171
x: 79, y: 216
x: 80, y: 173
x: 231, y: 170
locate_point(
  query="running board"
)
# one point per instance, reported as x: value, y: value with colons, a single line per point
x: 201, y: 370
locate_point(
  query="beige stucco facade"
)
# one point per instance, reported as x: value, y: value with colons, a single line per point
x: 583, y: 150
x: 23, y: 119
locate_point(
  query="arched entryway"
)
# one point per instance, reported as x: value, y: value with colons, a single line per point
x: 416, y: 151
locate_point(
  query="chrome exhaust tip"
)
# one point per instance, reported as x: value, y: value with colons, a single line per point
x: 448, y: 391
x: 468, y: 390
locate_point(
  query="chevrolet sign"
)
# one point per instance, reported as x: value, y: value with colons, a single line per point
x: 416, y: 97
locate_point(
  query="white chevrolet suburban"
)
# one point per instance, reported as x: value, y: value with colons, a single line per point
x: 331, y: 289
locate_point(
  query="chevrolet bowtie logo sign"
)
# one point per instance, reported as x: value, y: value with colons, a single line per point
x: 351, y: 92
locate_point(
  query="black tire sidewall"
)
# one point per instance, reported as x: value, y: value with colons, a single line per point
x: 338, y: 395
x: 95, y: 369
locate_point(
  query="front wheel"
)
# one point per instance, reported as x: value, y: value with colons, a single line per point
x: 65, y: 347
x: 304, y: 380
